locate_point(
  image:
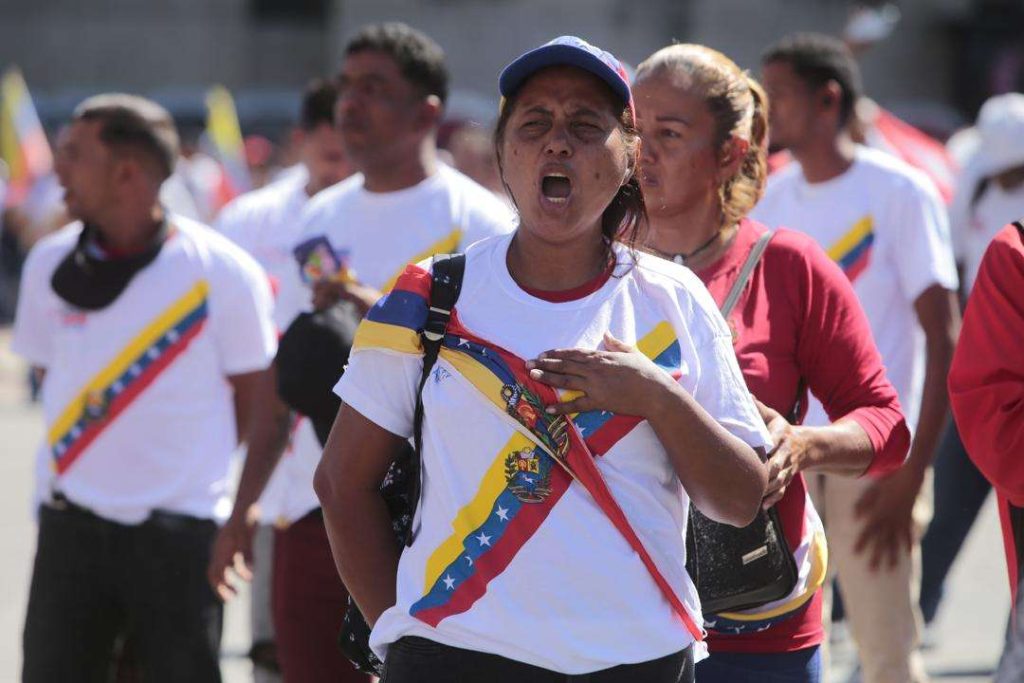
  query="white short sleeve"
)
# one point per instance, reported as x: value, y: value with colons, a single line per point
x: 382, y: 387
x: 921, y: 246
x: 33, y: 324
x: 241, y: 313
x: 722, y: 392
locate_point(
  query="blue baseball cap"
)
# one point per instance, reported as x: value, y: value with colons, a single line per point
x: 568, y: 51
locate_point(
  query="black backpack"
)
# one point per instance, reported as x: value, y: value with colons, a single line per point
x: 401, y: 486
x: 311, y: 356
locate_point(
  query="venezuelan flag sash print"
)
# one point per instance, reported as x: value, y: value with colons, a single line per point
x: 529, y: 474
x: 853, y: 250
x: 99, y: 403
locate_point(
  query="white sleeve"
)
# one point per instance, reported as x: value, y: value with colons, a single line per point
x: 33, y: 324
x: 921, y: 243
x: 241, y: 313
x: 382, y: 387
x: 721, y: 391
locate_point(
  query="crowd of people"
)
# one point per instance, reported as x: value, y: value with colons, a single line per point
x: 649, y: 327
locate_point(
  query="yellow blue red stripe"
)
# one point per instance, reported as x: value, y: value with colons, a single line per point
x: 107, y: 394
x: 853, y: 250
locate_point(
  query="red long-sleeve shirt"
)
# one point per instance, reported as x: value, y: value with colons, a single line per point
x: 799, y: 326
x: 986, y: 380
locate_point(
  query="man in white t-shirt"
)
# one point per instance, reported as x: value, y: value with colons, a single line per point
x: 155, y: 336
x: 885, y: 225
x: 265, y: 223
x: 355, y: 240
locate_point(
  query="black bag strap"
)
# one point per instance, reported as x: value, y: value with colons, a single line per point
x: 1020, y: 228
x: 446, y: 284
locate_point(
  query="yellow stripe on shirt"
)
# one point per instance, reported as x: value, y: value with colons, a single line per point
x: 446, y: 245
x: 383, y: 336
x: 851, y: 239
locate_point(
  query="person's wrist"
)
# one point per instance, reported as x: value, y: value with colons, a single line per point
x: 240, y: 517
x: 664, y: 401
x: 810, y: 443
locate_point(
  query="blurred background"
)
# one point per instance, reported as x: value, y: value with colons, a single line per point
x: 231, y: 72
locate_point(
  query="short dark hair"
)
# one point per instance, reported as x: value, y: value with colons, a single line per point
x: 817, y: 59
x: 419, y: 58
x: 318, y: 104
x: 130, y: 122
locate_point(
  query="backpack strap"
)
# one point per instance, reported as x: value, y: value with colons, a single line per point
x: 748, y: 269
x: 445, y: 286
x: 1020, y: 228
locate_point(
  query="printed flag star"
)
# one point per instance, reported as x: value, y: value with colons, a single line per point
x: 449, y: 582
x: 470, y: 560
x: 136, y: 371
x: 117, y: 387
x: 528, y: 480
x: 172, y: 336
x: 484, y: 539
x: 502, y: 513
x: 463, y: 342
x: 153, y: 353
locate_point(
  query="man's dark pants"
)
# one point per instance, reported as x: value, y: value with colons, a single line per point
x: 95, y: 580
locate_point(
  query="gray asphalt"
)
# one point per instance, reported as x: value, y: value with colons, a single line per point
x: 968, y: 632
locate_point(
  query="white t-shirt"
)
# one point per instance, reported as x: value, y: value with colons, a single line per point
x: 139, y: 413
x: 377, y: 233
x: 882, y: 221
x: 511, y: 557
x: 976, y: 227
x: 265, y: 223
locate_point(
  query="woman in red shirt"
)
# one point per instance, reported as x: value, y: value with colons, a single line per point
x: 796, y: 326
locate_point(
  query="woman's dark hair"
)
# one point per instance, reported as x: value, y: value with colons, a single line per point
x: 318, y: 104
x: 817, y: 59
x: 419, y: 58
x: 626, y: 215
x: 130, y: 124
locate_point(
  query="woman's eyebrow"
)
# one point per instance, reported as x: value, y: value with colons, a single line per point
x: 586, y: 111
x: 537, y: 109
x: 672, y: 119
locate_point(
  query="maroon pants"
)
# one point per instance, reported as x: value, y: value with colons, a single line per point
x: 309, y: 606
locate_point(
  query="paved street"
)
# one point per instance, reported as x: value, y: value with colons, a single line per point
x: 969, y: 633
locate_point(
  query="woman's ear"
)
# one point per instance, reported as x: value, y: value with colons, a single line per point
x: 734, y: 151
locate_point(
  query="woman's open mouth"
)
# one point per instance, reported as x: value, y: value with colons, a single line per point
x: 556, y: 187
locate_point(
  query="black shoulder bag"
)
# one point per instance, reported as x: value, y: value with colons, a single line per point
x: 740, y: 568
x: 401, y: 486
